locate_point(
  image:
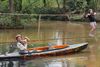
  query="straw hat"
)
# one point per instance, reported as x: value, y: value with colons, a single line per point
x: 18, y: 36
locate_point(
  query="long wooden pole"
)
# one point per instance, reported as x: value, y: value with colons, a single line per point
x: 39, y: 26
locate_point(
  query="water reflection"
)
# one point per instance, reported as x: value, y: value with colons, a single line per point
x: 8, y: 64
x: 59, y: 62
x: 93, y: 48
x: 62, y: 61
x: 56, y: 64
x: 20, y: 63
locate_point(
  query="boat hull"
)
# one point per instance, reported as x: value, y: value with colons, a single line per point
x: 67, y: 50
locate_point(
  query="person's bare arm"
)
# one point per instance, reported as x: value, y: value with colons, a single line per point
x: 94, y: 13
x: 87, y: 15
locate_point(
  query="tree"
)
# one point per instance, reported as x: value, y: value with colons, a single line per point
x: 11, y: 6
x: 92, y: 4
x: 58, y: 4
x: 15, y: 6
x: 44, y: 2
x: 64, y: 6
x: 18, y: 5
x: 77, y: 5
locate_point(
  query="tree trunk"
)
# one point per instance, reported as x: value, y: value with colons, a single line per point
x: 64, y: 6
x: 11, y: 6
x: 64, y: 3
x: 44, y: 2
x: 0, y: 4
x: 58, y: 4
x: 15, y: 6
x: 18, y: 8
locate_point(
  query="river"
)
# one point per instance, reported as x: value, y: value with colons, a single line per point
x: 50, y: 32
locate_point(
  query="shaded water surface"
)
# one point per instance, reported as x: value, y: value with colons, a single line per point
x: 55, y: 33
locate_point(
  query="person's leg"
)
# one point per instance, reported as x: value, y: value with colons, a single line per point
x: 94, y: 31
x: 93, y: 28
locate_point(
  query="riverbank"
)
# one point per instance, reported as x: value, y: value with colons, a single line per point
x: 21, y: 22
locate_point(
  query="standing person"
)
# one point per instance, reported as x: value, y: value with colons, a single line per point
x: 22, y: 43
x: 91, y: 16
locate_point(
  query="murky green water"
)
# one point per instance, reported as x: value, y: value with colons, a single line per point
x: 49, y: 33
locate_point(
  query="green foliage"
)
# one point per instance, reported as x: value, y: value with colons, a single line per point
x: 29, y: 6
x: 76, y: 5
x: 46, y: 10
x: 9, y: 22
x: 93, y: 4
x: 4, y: 21
x: 18, y: 5
x: 4, y: 6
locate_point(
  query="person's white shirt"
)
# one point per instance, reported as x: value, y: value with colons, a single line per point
x: 21, y: 46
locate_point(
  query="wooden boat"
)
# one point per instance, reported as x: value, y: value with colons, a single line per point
x: 47, y: 52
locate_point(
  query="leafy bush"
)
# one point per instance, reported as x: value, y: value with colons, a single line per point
x: 46, y: 10
x: 9, y: 22
x: 77, y: 5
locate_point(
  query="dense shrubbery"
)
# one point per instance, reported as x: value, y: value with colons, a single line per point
x: 77, y: 5
x: 46, y: 10
x: 9, y: 22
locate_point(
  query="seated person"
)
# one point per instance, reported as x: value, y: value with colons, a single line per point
x: 22, y: 43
